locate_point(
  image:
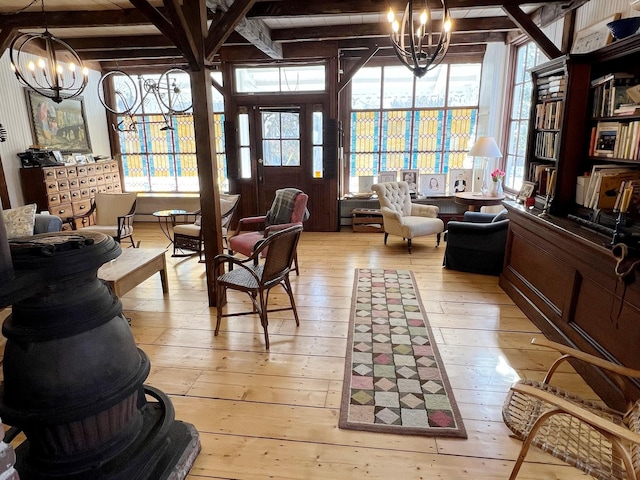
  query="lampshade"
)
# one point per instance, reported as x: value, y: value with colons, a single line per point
x: 485, y: 147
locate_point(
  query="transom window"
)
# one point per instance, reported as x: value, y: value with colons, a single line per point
x: 398, y: 122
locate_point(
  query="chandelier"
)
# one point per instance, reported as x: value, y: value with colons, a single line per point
x: 48, y: 75
x: 425, y: 48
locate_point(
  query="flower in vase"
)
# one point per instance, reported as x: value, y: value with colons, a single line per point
x: 497, y: 175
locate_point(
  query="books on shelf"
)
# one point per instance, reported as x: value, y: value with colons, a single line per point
x: 551, y: 87
x: 604, y: 184
x: 545, y: 146
x: 611, y: 91
x: 606, y: 139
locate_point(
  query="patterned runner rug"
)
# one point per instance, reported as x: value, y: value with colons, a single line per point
x: 394, y: 377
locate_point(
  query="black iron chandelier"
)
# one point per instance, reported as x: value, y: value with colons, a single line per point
x: 414, y: 40
x: 48, y: 75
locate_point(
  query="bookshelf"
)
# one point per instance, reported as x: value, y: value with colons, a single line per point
x: 558, y: 269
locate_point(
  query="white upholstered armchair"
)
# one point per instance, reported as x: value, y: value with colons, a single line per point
x: 404, y: 218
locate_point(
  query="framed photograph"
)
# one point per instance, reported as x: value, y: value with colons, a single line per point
x: 91, y: 158
x: 606, y: 137
x: 80, y: 159
x: 526, y: 191
x: 364, y: 183
x: 58, y: 156
x: 432, y: 184
x: 594, y: 36
x: 387, y: 177
x: 411, y: 177
x: 58, y: 126
x: 459, y: 180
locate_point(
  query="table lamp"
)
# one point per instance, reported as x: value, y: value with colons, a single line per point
x: 487, y: 149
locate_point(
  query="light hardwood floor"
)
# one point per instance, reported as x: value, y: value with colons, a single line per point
x: 275, y: 414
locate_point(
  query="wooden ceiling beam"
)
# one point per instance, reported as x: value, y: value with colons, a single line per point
x: 221, y: 30
x: 532, y: 30
x: 454, y: 50
x: 156, y: 18
x: 457, y: 38
x: 493, y: 24
x: 116, y: 42
x: 136, y: 53
x: 104, y: 18
x: 355, y: 7
x: 186, y: 42
x: 6, y: 37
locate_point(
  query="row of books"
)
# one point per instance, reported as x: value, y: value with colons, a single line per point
x: 551, y: 87
x: 545, y: 146
x: 612, y: 91
x: 616, y: 140
x: 548, y: 115
x: 539, y: 174
x: 604, y: 185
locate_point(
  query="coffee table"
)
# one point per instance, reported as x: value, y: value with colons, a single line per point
x: 473, y: 200
x: 133, y: 267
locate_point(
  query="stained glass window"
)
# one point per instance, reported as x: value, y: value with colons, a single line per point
x: 398, y: 122
x: 158, y: 150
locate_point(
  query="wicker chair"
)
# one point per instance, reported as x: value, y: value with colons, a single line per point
x: 187, y: 236
x: 257, y: 279
x: 598, y: 440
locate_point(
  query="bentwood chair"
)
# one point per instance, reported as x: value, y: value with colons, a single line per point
x: 402, y: 217
x: 111, y: 214
x: 596, y: 439
x: 188, y: 236
x: 289, y: 208
x: 257, y: 279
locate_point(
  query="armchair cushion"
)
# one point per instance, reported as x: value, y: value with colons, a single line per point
x: 19, y: 221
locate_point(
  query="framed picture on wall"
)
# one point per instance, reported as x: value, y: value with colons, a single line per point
x: 459, y: 180
x: 593, y: 37
x: 432, y: 184
x: 58, y: 126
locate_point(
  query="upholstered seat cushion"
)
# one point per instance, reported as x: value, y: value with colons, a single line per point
x: 109, y: 230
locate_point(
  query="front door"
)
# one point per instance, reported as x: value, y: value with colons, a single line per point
x: 278, y: 151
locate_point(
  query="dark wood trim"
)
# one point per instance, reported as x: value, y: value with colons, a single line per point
x: 219, y: 32
x: 538, y: 36
x: 5, y: 201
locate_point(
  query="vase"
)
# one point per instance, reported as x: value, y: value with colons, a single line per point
x: 495, y: 188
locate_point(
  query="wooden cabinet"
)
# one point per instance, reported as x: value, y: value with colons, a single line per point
x: 67, y: 190
x: 560, y: 270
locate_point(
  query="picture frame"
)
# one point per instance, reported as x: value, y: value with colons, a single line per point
x: 594, y: 36
x: 58, y: 156
x: 606, y: 138
x: 80, y: 159
x: 58, y: 126
x: 387, y: 177
x: 433, y: 184
x: 411, y: 177
x: 460, y: 180
x: 526, y: 191
x: 364, y: 183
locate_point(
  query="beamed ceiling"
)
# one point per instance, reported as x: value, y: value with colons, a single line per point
x: 129, y: 34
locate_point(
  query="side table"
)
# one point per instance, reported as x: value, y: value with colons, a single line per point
x: 367, y: 220
x: 166, y: 222
x: 473, y: 200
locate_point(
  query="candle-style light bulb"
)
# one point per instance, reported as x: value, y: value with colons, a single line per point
x: 390, y: 16
x: 72, y: 67
x: 447, y: 25
x: 31, y: 66
x: 424, y: 17
x: 395, y: 26
x: 41, y: 63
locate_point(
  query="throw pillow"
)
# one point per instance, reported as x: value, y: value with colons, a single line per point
x: 503, y: 215
x: 19, y: 221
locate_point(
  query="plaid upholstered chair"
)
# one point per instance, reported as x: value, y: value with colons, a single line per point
x: 289, y: 208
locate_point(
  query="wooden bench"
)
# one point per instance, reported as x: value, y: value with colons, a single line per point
x: 133, y: 267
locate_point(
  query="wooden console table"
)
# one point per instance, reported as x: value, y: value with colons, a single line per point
x: 133, y: 267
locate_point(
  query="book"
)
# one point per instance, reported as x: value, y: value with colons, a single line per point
x: 610, y: 186
x: 606, y: 136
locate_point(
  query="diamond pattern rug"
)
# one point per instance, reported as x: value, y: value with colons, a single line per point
x: 394, y: 377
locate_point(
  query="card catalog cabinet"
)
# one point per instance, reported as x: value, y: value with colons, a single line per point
x: 67, y: 190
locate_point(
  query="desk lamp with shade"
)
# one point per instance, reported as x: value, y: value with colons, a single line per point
x: 487, y: 149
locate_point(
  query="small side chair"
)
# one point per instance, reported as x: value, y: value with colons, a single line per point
x: 257, y: 279
x: 596, y: 439
x: 402, y: 217
x: 187, y: 236
x: 111, y: 214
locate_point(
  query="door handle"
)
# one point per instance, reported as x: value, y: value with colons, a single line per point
x: 260, y: 170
